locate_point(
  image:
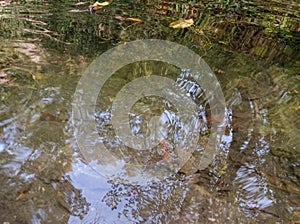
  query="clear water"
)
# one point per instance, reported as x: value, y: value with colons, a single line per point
x: 251, y: 47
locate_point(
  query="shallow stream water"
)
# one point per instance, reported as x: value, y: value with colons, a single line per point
x: 253, y: 49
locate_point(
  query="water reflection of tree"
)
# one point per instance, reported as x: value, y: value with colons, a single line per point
x: 159, y: 200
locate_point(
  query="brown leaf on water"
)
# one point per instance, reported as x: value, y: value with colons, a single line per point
x: 22, y: 192
x: 181, y: 23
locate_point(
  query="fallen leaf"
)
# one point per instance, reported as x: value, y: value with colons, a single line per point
x: 134, y: 19
x: 182, y: 23
x: 80, y: 3
x: 23, y: 191
x: 121, y: 18
x: 77, y: 10
x: 20, y: 196
x: 97, y: 5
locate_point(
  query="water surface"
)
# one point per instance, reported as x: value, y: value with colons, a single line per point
x: 252, y: 47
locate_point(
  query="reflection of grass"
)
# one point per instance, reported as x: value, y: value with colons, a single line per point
x: 25, y: 19
x: 220, y: 19
x: 276, y: 14
x: 285, y: 112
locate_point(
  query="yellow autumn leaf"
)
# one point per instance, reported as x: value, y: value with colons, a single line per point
x: 100, y: 4
x: 96, y: 6
x: 181, y: 23
x: 134, y: 19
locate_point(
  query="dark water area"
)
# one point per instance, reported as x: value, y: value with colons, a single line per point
x: 251, y: 46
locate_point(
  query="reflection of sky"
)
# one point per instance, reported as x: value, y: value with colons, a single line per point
x: 112, y: 202
x: 15, y: 154
x: 226, y: 138
x: 94, y: 188
x: 252, y: 188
